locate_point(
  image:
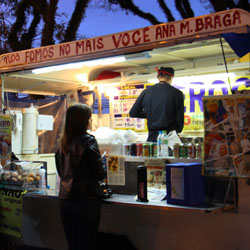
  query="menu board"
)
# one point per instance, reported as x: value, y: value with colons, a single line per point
x: 11, y: 212
x: 227, y: 135
x: 122, y: 103
x: 5, y: 137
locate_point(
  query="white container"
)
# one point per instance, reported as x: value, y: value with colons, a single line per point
x: 42, y: 182
x: 17, y: 132
x: 30, y: 138
x: 164, y: 146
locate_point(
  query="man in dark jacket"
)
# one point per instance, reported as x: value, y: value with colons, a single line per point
x: 162, y: 105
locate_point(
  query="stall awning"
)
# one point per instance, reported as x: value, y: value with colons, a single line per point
x: 240, y: 43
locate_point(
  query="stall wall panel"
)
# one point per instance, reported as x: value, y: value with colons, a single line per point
x: 158, y: 229
x: 42, y: 225
x: 147, y: 228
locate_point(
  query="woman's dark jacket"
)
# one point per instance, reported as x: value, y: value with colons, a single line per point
x: 80, y: 169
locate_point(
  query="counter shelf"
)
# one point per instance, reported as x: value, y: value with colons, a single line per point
x: 41, y: 193
x: 168, y: 159
x: 130, y: 200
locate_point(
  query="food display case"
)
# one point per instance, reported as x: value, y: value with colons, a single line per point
x: 23, y: 175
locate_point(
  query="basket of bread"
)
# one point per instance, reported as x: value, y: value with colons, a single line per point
x: 20, y: 173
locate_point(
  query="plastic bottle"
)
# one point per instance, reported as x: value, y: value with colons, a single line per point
x: 164, y: 146
x: 42, y: 182
x: 159, y: 144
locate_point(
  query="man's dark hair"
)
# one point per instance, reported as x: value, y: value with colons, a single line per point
x: 168, y: 71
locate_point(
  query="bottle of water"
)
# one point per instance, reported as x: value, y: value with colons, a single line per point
x: 42, y: 181
x: 164, y: 146
x: 159, y: 144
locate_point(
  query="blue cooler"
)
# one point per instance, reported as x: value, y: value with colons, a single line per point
x: 185, y: 184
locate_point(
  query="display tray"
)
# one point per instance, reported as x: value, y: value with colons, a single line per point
x: 12, y: 183
x: 19, y: 184
x: 22, y: 174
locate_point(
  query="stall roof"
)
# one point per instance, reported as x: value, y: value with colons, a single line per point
x: 186, y: 45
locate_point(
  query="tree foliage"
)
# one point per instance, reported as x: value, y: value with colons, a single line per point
x: 5, y: 24
x: 22, y: 39
x: 219, y: 5
x: 37, y: 20
x: 75, y: 21
x: 182, y: 6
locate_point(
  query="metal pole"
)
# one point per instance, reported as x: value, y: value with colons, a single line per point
x: 2, y: 92
x: 225, y: 62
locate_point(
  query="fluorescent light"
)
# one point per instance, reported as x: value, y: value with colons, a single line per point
x: 105, y: 61
x: 78, y: 65
x: 57, y: 68
x: 82, y: 77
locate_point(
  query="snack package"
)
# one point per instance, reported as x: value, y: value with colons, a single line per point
x: 173, y: 138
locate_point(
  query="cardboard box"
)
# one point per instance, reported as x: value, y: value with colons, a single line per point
x: 185, y: 184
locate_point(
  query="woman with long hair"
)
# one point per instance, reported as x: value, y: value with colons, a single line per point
x: 80, y: 167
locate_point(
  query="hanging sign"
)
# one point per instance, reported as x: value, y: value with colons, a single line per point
x: 122, y: 103
x: 11, y: 212
x: 5, y: 138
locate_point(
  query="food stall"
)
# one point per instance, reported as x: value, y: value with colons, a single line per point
x: 109, y: 72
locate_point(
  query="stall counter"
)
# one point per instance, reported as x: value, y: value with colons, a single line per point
x: 41, y: 224
x: 131, y: 200
x: 148, y: 225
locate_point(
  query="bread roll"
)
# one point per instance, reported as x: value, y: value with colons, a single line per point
x: 31, y: 174
x: 37, y: 178
x: 14, y: 174
x: 14, y: 179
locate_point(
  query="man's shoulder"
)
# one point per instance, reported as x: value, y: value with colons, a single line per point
x: 155, y: 86
x: 176, y: 90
